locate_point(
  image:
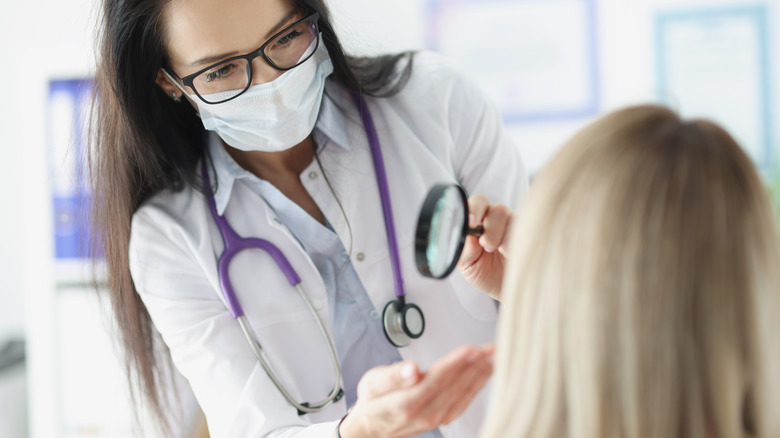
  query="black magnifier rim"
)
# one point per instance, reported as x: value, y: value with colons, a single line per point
x: 424, y: 228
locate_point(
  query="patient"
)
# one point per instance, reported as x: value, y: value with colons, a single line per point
x: 643, y: 294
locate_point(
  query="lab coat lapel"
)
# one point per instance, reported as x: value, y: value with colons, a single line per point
x: 352, y: 175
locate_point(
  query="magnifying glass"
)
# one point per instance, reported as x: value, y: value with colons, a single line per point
x: 441, y: 230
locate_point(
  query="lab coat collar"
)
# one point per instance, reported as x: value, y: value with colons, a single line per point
x: 331, y: 127
x: 332, y: 122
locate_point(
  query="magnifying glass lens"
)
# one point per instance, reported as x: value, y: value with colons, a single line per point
x: 441, y: 230
x: 447, y: 224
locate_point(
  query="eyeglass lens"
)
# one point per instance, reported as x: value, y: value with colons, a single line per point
x: 232, y: 77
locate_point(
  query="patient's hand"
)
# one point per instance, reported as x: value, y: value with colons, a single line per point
x: 399, y: 400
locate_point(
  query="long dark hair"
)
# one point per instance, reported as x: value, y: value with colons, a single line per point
x: 142, y: 142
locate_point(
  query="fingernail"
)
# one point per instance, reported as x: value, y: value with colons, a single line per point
x: 484, y: 245
x: 407, y: 371
x: 472, y: 219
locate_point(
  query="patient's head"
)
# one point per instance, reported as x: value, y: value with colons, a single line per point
x: 642, y: 296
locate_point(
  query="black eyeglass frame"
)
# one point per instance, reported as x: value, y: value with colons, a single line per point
x: 249, y: 57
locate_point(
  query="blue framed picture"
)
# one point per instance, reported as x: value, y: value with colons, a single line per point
x: 715, y: 64
x: 537, y: 59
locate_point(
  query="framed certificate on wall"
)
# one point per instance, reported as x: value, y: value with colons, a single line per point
x: 714, y: 64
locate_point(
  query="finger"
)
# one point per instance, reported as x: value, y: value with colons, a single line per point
x: 434, y: 382
x: 422, y: 407
x: 456, y: 395
x: 472, y: 390
x: 478, y: 207
x: 470, y: 254
x: 464, y: 400
x: 381, y: 380
x: 471, y: 370
x: 457, y: 358
x: 447, y: 372
x: 495, y: 223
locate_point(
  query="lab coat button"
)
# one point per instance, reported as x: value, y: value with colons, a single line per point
x: 374, y: 314
x: 312, y: 175
x: 276, y: 219
x: 360, y: 256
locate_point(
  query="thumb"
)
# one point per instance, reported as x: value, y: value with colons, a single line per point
x: 379, y: 381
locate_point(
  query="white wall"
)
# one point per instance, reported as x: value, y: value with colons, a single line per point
x: 53, y: 39
x: 11, y: 318
x: 38, y: 41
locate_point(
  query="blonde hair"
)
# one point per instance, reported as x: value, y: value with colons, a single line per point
x: 642, y: 292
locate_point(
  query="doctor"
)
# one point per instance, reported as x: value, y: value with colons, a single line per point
x: 223, y: 121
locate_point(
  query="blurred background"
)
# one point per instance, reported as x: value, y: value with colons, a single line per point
x: 551, y: 65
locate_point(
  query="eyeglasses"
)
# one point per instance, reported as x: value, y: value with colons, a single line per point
x: 230, y: 78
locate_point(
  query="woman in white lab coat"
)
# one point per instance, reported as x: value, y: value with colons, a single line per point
x: 183, y: 89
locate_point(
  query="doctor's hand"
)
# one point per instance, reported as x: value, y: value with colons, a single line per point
x: 398, y: 401
x: 483, y: 258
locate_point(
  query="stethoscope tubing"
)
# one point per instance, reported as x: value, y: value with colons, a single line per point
x: 234, y: 244
x: 306, y: 407
x: 384, y: 191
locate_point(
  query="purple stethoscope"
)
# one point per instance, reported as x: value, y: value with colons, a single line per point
x: 402, y: 321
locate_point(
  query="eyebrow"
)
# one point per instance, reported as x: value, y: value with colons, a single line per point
x: 214, y: 58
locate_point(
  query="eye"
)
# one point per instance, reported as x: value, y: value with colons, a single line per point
x: 288, y: 38
x: 219, y: 72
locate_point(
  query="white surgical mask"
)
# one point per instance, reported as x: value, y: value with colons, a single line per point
x: 273, y: 116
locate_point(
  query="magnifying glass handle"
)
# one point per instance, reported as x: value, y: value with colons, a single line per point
x: 476, y: 231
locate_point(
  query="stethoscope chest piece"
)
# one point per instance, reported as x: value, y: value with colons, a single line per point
x: 402, y: 322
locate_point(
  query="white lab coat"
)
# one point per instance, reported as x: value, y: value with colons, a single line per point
x: 438, y: 129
